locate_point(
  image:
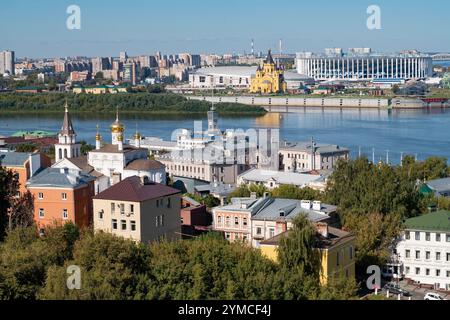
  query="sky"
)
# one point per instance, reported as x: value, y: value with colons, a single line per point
x: 38, y: 28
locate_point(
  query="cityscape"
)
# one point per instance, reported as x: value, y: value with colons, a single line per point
x: 260, y: 169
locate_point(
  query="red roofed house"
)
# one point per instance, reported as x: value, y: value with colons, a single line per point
x: 139, y: 209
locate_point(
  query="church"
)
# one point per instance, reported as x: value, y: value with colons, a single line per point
x: 268, y: 79
x: 108, y: 163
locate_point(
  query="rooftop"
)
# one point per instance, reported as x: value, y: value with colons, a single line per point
x: 145, y: 164
x: 60, y: 178
x: 334, y: 237
x: 112, y: 148
x: 13, y: 159
x: 435, y: 221
x: 134, y: 190
x: 281, y: 177
x: 439, y: 184
x: 306, y: 147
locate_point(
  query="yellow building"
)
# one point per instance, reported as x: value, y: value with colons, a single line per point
x: 269, y: 78
x: 337, y: 249
x: 101, y: 89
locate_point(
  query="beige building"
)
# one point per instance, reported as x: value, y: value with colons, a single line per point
x: 139, y: 209
x: 309, y: 156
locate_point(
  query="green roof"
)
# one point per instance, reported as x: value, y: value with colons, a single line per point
x: 38, y: 133
x: 425, y: 190
x: 436, y: 221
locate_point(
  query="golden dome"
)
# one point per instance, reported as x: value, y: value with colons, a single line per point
x: 117, y: 126
x: 137, y: 136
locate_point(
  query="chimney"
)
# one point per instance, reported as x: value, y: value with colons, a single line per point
x: 317, y: 205
x: 305, y: 204
x: 322, y: 229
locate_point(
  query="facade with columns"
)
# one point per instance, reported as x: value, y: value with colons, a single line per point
x: 67, y: 146
x: 365, y: 68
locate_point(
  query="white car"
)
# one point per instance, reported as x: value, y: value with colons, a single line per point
x: 432, y: 296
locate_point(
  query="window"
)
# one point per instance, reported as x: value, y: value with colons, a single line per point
x: 113, y: 207
x: 236, y: 221
x: 65, y: 214
x: 271, y: 233
x: 100, y: 215
x: 133, y: 225
x: 427, y: 236
x: 132, y: 208
x: 123, y: 223
x: 438, y: 256
x: 448, y: 274
x: 407, y: 270
x: 417, y: 254
x: 407, y: 253
x: 427, y: 255
x: 244, y: 222
x: 236, y: 236
x: 438, y: 237
x: 114, y: 224
x: 219, y: 220
x: 417, y: 236
x: 64, y: 196
x: 438, y: 273
x: 447, y: 237
x: 427, y: 272
x: 162, y: 219
x: 407, y: 235
x: 40, y: 196
x: 41, y: 232
x: 338, y: 258
x: 417, y: 271
x: 41, y: 213
x: 169, y: 203
x: 227, y: 221
x: 227, y: 235
x: 448, y: 256
x: 258, y: 230
x: 122, y: 208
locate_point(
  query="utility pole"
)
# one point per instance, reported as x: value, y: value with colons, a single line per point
x: 373, y: 155
x: 359, y: 152
x: 387, y: 156
x: 401, y: 159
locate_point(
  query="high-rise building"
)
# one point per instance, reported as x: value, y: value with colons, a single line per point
x: 100, y: 64
x: 7, y: 62
x: 123, y: 57
x: 130, y: 72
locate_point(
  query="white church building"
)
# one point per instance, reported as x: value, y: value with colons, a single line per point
x: 109, y: 163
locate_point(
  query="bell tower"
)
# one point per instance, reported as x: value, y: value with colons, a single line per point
x: 117, y: 131
x: 67, y: 146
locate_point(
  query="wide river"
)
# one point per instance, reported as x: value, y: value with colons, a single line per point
x: 421, y: 133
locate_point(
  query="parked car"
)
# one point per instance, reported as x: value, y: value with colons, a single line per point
x: 395, y: 289
x: 432, y: 296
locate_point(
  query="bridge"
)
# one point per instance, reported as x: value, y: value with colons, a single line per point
x: 441, y: 57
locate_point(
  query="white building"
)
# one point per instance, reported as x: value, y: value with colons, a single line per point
x: 365, y: 67
x: 310, y: 156
x: 272, y: 179
x: 423, y: 250
x: 222, y: 77
x: 7, y: 62
x: 109, y: 163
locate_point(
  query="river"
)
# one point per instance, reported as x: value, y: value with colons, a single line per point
x: 416, y: 132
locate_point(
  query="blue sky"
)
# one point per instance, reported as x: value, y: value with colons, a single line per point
x: 38, y: 28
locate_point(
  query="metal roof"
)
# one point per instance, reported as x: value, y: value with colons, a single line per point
x: 436, y: 221
x: 439, y: 185
x: 280, y: 177
x: 14, y: 159
x: 59, y: 178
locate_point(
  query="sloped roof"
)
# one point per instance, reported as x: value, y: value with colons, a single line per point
x: 67, y: 127
x: 59, y: 178
x: 145, y: 164
x: 436, y: 221
x: 14, y: 159
x: 132, y: 189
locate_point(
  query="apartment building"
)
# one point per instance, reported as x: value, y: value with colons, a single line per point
x: 62, y: 195
x: 423, y: 250
x: 139, y: 209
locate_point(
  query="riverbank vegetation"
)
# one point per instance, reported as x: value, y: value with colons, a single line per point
x: 153, y: 103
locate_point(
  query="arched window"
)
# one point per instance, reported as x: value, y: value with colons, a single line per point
x: 65, y: 153
x: 60, y: 154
